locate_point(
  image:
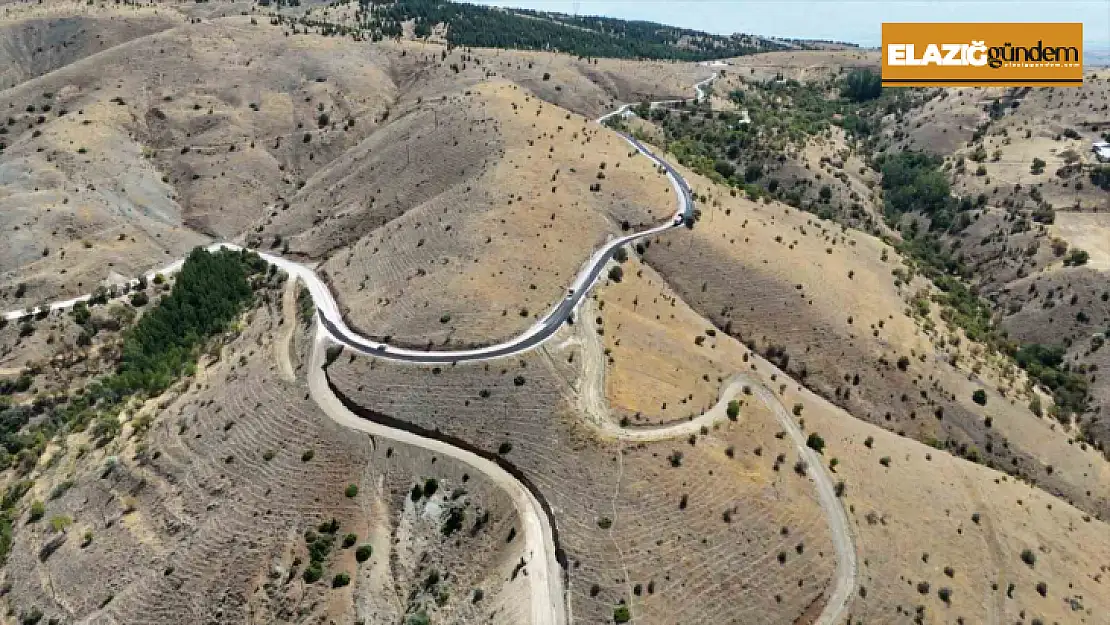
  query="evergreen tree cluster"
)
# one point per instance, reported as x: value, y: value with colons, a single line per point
x: 210, y: 291
x: 490, y: 27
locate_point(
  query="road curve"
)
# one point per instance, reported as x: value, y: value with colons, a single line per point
x: 546, y: 577
x: 847, y: 568
x: 332, y: 318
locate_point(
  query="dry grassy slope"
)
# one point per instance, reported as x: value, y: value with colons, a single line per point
x: 828, y: 159
x: 141, y: 144
x: 776, y: 277
x: 587, y: 86
x: 1015, y: 265
x: 619, y: 508
x: 36, y: 43
x: 926, y: 513
x: 485, y: 258
x: 193, y: 523
x: 929, y: 514
x: 662, y: 361
x: 1032, y: 126
x: 801, y: 65
x: 945, y: 123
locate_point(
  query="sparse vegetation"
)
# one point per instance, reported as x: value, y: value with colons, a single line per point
x: 815, y: 442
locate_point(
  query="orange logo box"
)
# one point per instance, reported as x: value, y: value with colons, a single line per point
x: 998, y: 55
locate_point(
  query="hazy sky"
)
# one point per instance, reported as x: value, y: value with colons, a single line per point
x: 858, y: 21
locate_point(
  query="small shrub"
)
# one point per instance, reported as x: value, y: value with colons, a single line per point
x: 1042, y: 589
x: 815, y: 442
x: 621, y: 614
x: 979, y: 397
x: 351, y: 491
x: 605, y: 523
x: 504, y: 448
x: 363, y: 553
x: 733, y: 410
x: 1028, y: 557
x: 349, y: 540
x: 869, y: 442
x: 307, y: 455
x: 38, y: 509
x: 1076, y: 257
x: 313, y: 573
x: 340, y: 580
x: 431, y: 485
x: 885, y: 461
x: 60, y: 523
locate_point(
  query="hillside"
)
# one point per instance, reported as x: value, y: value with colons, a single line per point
x: 860, y: 386
x: 470, y: 25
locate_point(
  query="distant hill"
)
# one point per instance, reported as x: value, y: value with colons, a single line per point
x: 481, y: 26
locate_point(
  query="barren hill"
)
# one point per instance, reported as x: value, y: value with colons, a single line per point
x: 815, y: 404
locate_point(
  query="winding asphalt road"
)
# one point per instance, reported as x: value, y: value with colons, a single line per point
x: 549, y: 605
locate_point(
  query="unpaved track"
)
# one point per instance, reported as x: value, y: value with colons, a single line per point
x: 591, y: 401
x: 847, y: 568
x: 544, y: 573
x: 289, y: 325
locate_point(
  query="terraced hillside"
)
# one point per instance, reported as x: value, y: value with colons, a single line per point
x: 656, y: 526
x: 938, y: 538
x: 216, y: 502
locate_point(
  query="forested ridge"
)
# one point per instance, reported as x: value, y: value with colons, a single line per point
x: 481, y: 26
x: 210, y: 291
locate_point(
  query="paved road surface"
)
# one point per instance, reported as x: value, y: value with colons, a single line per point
x: 545, y: 575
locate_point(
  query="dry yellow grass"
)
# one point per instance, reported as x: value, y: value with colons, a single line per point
x: 662, y: 360
x: 912, y: 521
x: 777, y: 276
x: 927, y: 512
x: 1089, y: 232
x: 481, y: 263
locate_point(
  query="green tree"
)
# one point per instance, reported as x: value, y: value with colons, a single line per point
x: 861, y: 85
x: 815, y: 442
